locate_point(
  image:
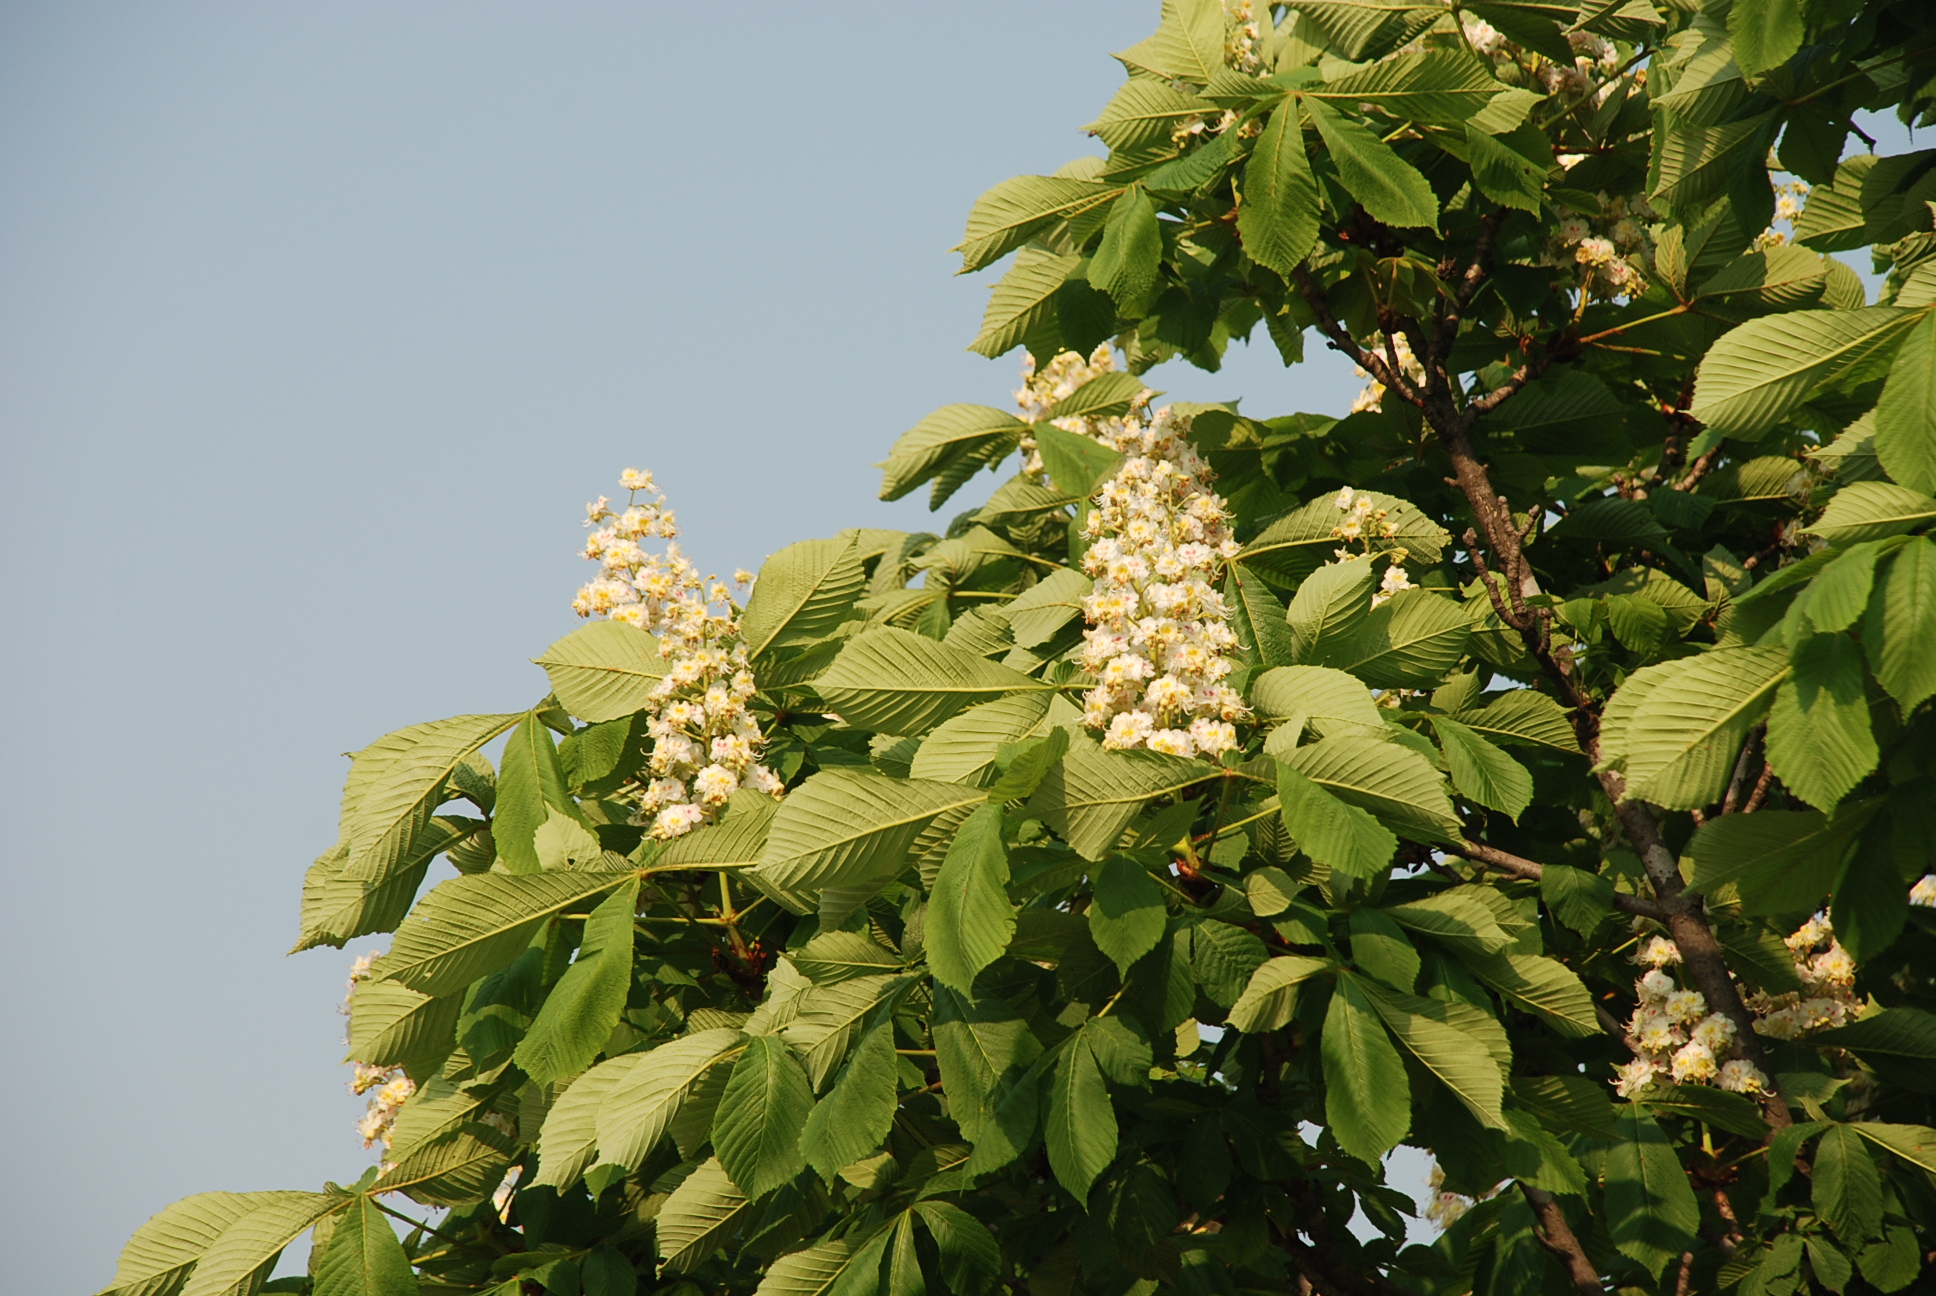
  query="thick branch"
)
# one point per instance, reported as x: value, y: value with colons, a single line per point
x: 1557, y: 1236
x: 1505, y: 862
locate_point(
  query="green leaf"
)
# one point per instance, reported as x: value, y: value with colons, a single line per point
x: 606, y: 1272
x: 1579, y: 899
x: 158, y: 1258
x: 1442, y: 86
x: 824, y: 1269
x: 1128, y: 261
x: 1566, y: 1104
x: 243, y: 1254
x: 1187, y: 46
x: 1698, y: 163
x: 1102, y: 396
x: 951, y: 436
x: 1457, y: 918
x: 639, y: 1107
x: 1872, y: 510
x: 1819, y: 739
x: 1029, y: 766
x: 1410, y: 641
x: 1651, y: 1212
x: 1080, y: 1131
x: 1757, y: 374
x: 1258, y: 619
x: 1039, y: 612
x: 1022, y: 301
x: 1680, y: 745
x: 1389, y: 188
x: 1126, y: 914
x: 1077, y: 464
x: 831, y: 1017
x: 1340, y: 836
x: 845, y: 833
x: 1893, y: 1032
x: 1270, y: 997
x: 397, y: 781
x: 364, y: 1257
x: 393, y: 1025
x: 530, y: 784
x: 1915, y: 1144
x: 1779, y: 860
x: 1141, y: 114
x: 1277, y: 218
x: 1847, y: 1187
x: 1481, y: 771
x: 1456, y: 1043
x: 1014, y: 211
x: 469, y: 927
x: 1503, y: 172
x: 604, y: 671
x: 803, y: 592
x: 1380, y: 948
x: 971, y: 1259
x: 897, y: 682
x: 1838, y: 595
x: 1716, y: 1107
x: 568, y: 1140
x: 580, y: 1012
x: 1302, y: 540
x: 1901, y: 625
x: 1390, y: 780
x: 701, y: 1214
x: 964, y: 748
x: 1522, y: 717
x: 1321, y: 697
x: 853, y: 1119
x: 981, y: 1046
x: 756, y: 1128
x: 1367, y: 1097
x: 1329, y: 604
x: 1766, y: 33
x: 969, y: 918
x: 1544, y: 986
x: 1092, y: 796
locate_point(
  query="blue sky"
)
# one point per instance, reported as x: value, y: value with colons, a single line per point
x: 318, y: 325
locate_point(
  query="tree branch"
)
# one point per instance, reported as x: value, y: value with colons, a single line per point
x: 1505, y: 862
x: 1557, y: 1236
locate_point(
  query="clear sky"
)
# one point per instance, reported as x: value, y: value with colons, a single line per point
x: 318, y: 324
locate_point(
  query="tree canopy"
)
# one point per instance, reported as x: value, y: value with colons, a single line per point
x: 1532, y: 766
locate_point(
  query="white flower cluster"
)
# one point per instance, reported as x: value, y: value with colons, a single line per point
x: 392, y: 1087
x: 1241, y: 38
x: 1673, y: 1035
x: 1372, y: 398
x: 1827, y: 997
x: 1159, y: 638
x: 1362, y: 522
x: 705, y: 744
x: 1615, y: 246
x: 1790, y: 197
x: 1445, y: 1208
x: 1043, y: 388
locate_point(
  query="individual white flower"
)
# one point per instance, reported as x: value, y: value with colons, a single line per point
x: 1128, y: 729
x: 1715, y: 1033
x: 1655, y: 987
x: 1172, y: 742
x: 1743, y: 1077
x: 1658, y: 952
x: 1694, y: 1063
x: 1634, y: 1076
x: 1685, y: 1006
x: 1924, y: 892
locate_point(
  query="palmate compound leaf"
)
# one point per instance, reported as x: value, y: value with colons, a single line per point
x: 604, y: 671
x: 1651, y: 1212
x: 700, y: 1215
x: 1092, y: 796
x: 1391, y: 781
x: 1443, y: 86
x: 844, y: 833
x: 157, y: 1259
x: 364, y: 1256
x: 1271, y: 995
x: 582, y: 1009
x: 1680, y: 744
x: 469, y: 927
x: 1463, y: 1046
x: 639, y: 1107
x: 898, y: 682
x: 402, y: 780
x: 1367, y: 1097
x: 854, y: 1117
x: 970, y: 920
x: 244, y: 1253
x: 1755, y: 375
x: 803, y: 592
x: 1819, y: 739
x: 756, y: 1130
x: 1278, y: 217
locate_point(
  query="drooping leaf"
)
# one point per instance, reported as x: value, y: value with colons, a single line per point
x: 244, y: 1253
x: 1819, y: 738
x: 1847, y: 1187
x: 1482, y: 771
x: 1901, y: 624
x: 470, y: 927
x: 364, y: 1256
x: 1367, y: 1097
x: 1278, y: 218
x: 969, y: 918
x: 1872, y: 510
x: 580, y: 1012
x: 530, y: 788
x: 638, y: 1109
x: 1271, y: 995
x: 898, y: 682
x: 1128, y: 261
x: 854, y: 1117
x: 1080, y: 1127
x: 1326, y: 699
x: 1388, y: 187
